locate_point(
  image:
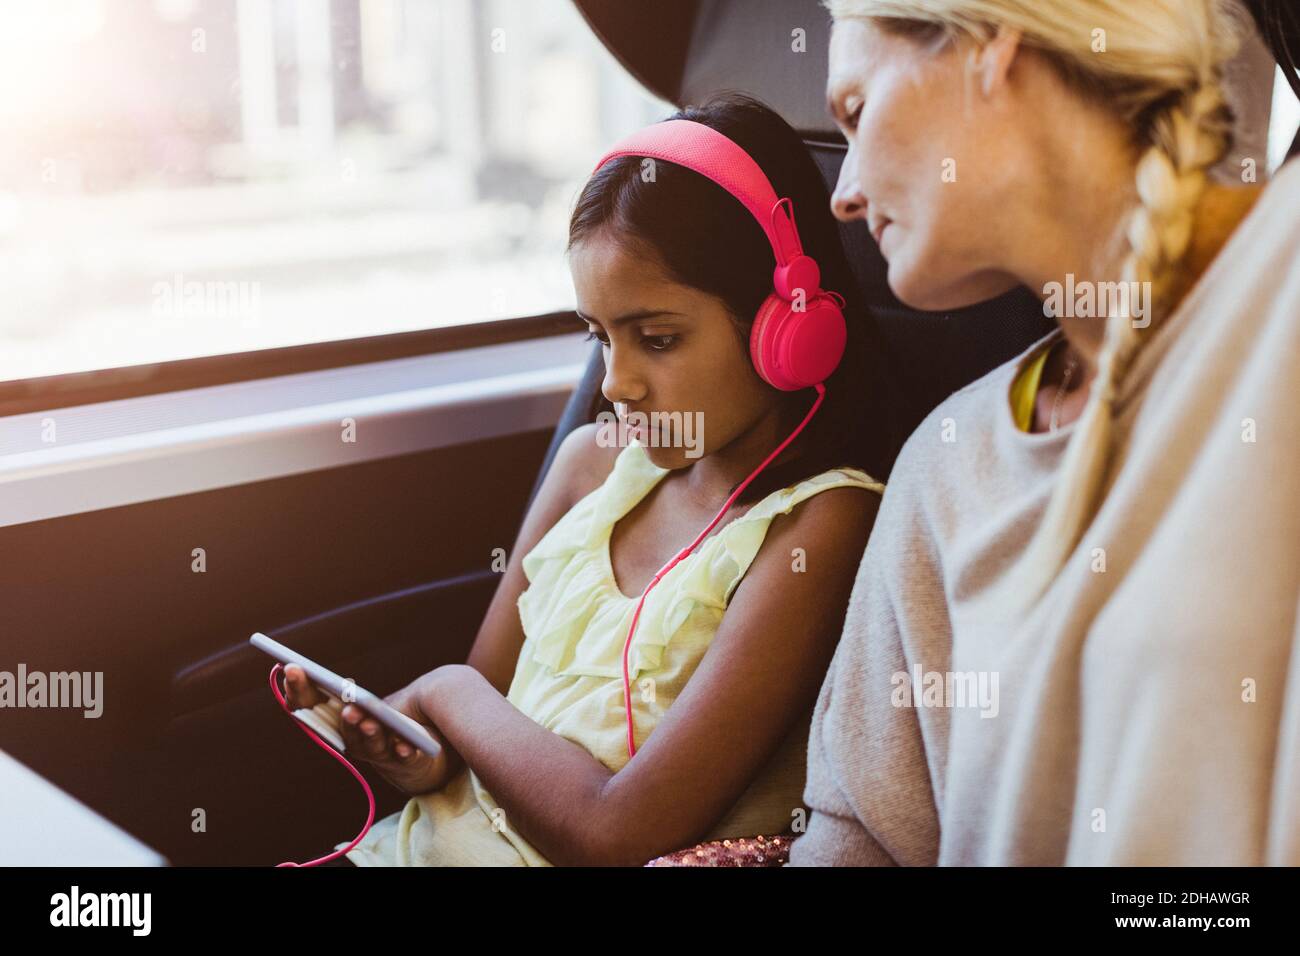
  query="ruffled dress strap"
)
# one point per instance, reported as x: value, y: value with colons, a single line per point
x: 570, y: 593
x: 588, y: 523
x: 574, y: 616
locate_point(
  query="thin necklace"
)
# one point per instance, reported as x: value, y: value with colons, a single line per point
x: 1065, y: 384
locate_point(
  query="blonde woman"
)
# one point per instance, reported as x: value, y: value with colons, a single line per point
x: 1073, y: 637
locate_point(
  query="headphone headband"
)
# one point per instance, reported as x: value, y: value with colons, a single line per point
x: 711, y: 154
x: 798, y: 336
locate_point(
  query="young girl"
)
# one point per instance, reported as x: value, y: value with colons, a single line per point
x: 731, y: 645
x: 1112, y: 536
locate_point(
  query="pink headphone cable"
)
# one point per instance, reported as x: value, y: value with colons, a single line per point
x: 627, y: 684
x: 370, y: 818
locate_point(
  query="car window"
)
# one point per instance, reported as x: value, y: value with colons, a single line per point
x: 182, y: 178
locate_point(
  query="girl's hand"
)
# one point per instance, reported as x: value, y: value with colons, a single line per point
x: 410, y: 770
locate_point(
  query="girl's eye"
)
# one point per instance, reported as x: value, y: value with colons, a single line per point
x: 852, y: 121
x: 653, y: 343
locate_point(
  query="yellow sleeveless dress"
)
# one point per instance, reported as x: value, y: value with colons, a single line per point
x: 569, y: 676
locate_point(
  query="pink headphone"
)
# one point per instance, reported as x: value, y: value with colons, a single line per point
x: 798, y: 336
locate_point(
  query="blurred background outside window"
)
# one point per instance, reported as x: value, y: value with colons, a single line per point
x: 181, y: 178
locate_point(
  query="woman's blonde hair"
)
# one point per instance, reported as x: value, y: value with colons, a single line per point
x: 1159, y: 65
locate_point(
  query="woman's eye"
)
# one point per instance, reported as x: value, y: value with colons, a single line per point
x: 852, y: 121
x: 592, y: 335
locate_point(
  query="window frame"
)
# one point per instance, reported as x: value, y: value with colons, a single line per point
x: 21, y: 396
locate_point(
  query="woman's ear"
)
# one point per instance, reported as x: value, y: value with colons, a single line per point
x: 992, y: 62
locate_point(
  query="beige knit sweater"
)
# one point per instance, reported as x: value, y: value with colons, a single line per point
x: 1147, y: 710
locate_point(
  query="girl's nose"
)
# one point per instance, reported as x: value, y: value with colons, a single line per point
x: 621, y: 385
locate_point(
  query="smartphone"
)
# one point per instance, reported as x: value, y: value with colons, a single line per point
x: 324, y: 678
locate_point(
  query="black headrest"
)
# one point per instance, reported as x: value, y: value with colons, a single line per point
x: 1279, y: 27
x: 684, y: 50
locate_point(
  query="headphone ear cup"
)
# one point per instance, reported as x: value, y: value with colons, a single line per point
x: 760, y: 344
x: 793, y: 350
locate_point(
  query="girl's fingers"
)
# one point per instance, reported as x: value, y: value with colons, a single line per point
x: 300, y: 691
x: 352, y: 736
x: 368, y: 734
x: 375, y: 743
x: 365, y: 735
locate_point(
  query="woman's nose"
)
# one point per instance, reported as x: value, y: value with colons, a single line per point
x: 847, y: 202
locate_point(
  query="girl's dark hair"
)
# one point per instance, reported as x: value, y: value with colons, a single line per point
x: 703, y: 237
